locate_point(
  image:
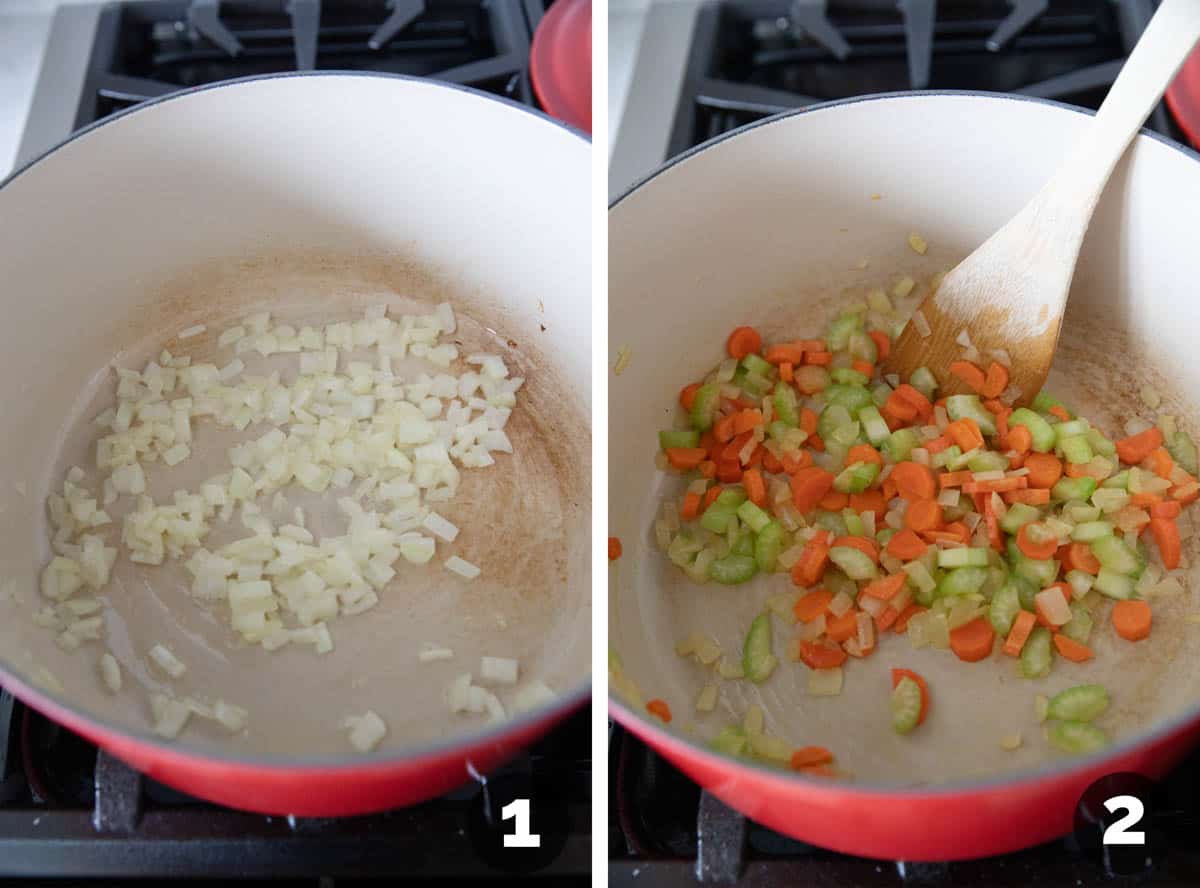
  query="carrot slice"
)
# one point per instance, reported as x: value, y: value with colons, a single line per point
x: 906, y: 545
x: 810, y: 756
x: 955, y: 479
x: 1166, y: 536
x: 1078, y: 556
x: 863, y: 453
x: 812, y: 604
x: 1132, y: 618
x: 688, y: 396
x: 729, y: 471
x: 1020, y: 439
x: 907, y: 614
x: 866, y: 368
x: 869, y: 501
x: 771, y: 462
x: 1029, y: 497
x: 659, y: 708
x: 733, y: 449
x: 722, y: 429
x: 937, y: 445
x: 898, y: 674
x: 841, y: 628
x: 916, y: 398
x: 834, y: 501
x: 711, y: 497
x: 784, y: 353
x: 1060, y: 412
x: 822, y: 654
x: 1044, y: 469
x: 686, y: 457
x: 813, y: 558
x: 745, y: 420
x: 1168, y: 509
x: 1160, y: 462
x: 614, y: 548
x: 1000, y: 485
x: 887, y: 618
x: 883, y: 345
x: 1072, y: 649
x: 868, y: 547
x: 819, y: 358
x: 809, y: 487
x: 707, y: 469
x: 794, y: 462
x: 1019, y: 633
x: 914, y: 481
x: 691, y: 507
x: 970, y: 374
x: 996, y: 380
x: 923, y: 515
x: 1030, y: 549
x: 787, y: 371
x: 1145, y: 500
x: 1135, y: 448
x: 965, y: 433
x: 973, y: 641
x: 808, y: 420
x: 885, y: 587
x: 743, y: 341
x: 756, y: 487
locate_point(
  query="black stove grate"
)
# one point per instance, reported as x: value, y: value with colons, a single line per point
x: 753, y: 58
x: 149, y: 49
x: 67, y: 810
x: 665, y: 831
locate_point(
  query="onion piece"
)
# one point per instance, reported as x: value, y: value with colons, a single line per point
x: 366, y: 731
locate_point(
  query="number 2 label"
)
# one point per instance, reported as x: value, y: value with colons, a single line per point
x: 1117, y: 833
x: 518, y: 810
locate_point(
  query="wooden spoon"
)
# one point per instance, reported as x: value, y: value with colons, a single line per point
x: 1011, y: 292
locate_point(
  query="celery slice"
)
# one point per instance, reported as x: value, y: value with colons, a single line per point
x: 731, y: 496
x: 1018, y: 515
x: 744, y: 546
x: 854, y: 562
x: 1099, y: 443
x: 841, y: 329
x: 678, y: 438
x: 1115, y: 554
x: 905, y: 705
x: 733, y: 569
x: 852, y: 397
x: 962, y: 581
x: 756, y: 365
x: 848, y: 376
x: 731, y: 741
x: 768, y: 543
x: 716, y: 517
x: 853, y: 522
x: 1082, y: 703
x: 924, y: 381
x: 1079, y: 627
x: 899, y: 445
x: 1090, y: 531
x: 1004, y: 608
x: 1113, y: 584
x: 704, y: 407
x: 784, y: 402
x: 944, y: 458
x: 754, y: 517
x: 832, y: 418
x: 1066, y: 489
x: 1076, y: 737
x: 988, y: 461
x: 1119, y: 481
x: 1076, y: 448
x: 1044, y: 401
x: 863, y: 347
x: 873, y: 425
x: 1183, y: 451
x: 1037, y: 655
x: 1071, y: 429
x: 1039, y: 430
x: 757, y: 660
x: 964, y: 557
x: 969, y: 406
x: 857, y: 477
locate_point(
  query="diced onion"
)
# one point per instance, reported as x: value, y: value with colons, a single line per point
x: 167, y: 661
x: 432, y: 653
x: 189, y: 332
x: 706, y: 700
x: 366, y: 731
x: 498, y: 670
x: 110, y: 673
x: 462, y: 568
x: 825, y: 682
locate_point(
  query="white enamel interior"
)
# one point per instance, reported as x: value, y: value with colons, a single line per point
x: 312, y: 197
x: 769, y: 227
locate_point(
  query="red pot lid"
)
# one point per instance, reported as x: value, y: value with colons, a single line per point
x: 560, y: 62
x: 1183, y: 98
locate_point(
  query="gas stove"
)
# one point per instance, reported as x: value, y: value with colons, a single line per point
x: 743, y: 60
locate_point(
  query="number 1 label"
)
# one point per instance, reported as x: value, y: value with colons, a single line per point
x: 518, y: 810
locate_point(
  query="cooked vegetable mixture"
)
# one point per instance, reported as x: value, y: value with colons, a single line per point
x: 960, y: 521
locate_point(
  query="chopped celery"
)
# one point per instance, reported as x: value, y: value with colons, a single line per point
x: 962, y: 581
x: 852, y: 397
x: 731, y: 496
x: 731, y: 741
x: 744, y: 546
x: 1118, y: 481
x: 1115, y: 555
x: 884, y: 535
x: 873, y: 425
x: 1080, y: 582
x: 757, y: 660
x: 905, y: 705
x: 997, y: 576
x: 1079, y: 627
x: 924, y: 381
x: 848, y: 376
x: 846, y: 436
x: 1044, y: 401
x: 1073, y: 488
x: 959, y: 460
x: 1089, y: 531
x: 1039, y: 573
x: 881, y: 393
x: 778, y: 429
x: 1018, y: 515
x: 1113, y: 584
x: 841, y: 329
x: 1039, y: 430
x: 1026, y: 591
x: 678, y: 438
x: 1071, y: 429
x: 1076, y: 448
x: 1183, y: 451
x: 704, y: 407
x: 1076, y: 737
x: 835, y: 581
x: 683, y: 549
x: 755, y: 384
x: 1082, y: 703
x: 863, y: 347
x: 1081, y: 513
x: 832, y: 522
x: 855, y: 563
x: 756, y: 519
x: 899, y: 445
x: 784, y: 402
x: 854, y: 522
x: 944, y: 457
x: 733, y: 569
x: 988, y: 461
x: 1099, y: 443
x: 1004, y: 608
x: 756, y: 365
x: 833, y: 417
x: 963, y: 557
x: 857, y: 477
x: 969, y: 406
x: 716, y: 517
x: 920, y: 577
x: 697, y: 571
x: 1037, y: 655
x: 768, y: 543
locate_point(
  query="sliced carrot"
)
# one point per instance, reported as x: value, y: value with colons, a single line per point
x: 1060, y: 412
x: 888, y: 488
x: 722, y: 429
x: 812, y: 605
x: 901, y: 624
x: 1072, y: 649
x: 688, y: 395
x: 1166, y: 536
x: 756, y: 457
x: 1044, y: 469
x: 1000, y: 485
x: 923, y: 515
x: 822, y: 654
x: 756, y: 487
x: 965, y: 433
x: 809, y: 487
x: 898, y: 674
x: 1030, y: 549
x: 866, y: 368
x: 1076, y: 470
x: 864, y: 453
x: 1135, y: 448
x: 841, y: 628
x: 743, y: 341
x: 970, y: 374
x: 834, y: 501
x: 686, y: 457
x: 885, y: 587
x: 996, y: 380
x: 869, y: 501
x: 898, y: 413
x: 794, y: 462
x: 1020, y: 439
x: 955, y: 479
x: 707, y: 469
x: 937, y: 445
x: 746, y: 420
x: 1185, y: 493
x: 1019, y: 633
x: 867, y: 546
x: 883, y: 345
x: 710, y: 497
x: 818, y: 771
x: 1168, y: 509
x: 1144, y: 500
x: 1132, y: 618
x: 614, y: 548
x: 813, y: 558
x: 906, y: 545
x: 784, y: 353
x: 995, y: 536
x: 819, y: 358
x: 1078, y: 556
x: 787, y: 371
x: 914, y: 481
x: 740, y: 403
x: 729, y: 471
x: 815, y: 442
x: 1160, y: 462
x: 973, y: 641
x: 810, y: 756
x: 771, y: 462
x: 733, y: 449
x: 690, y: 509
x: 887, y: 618
x: 916, y: 398
x: 808, y: 420
x: 1029, y: 497
x: 659, y: 708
